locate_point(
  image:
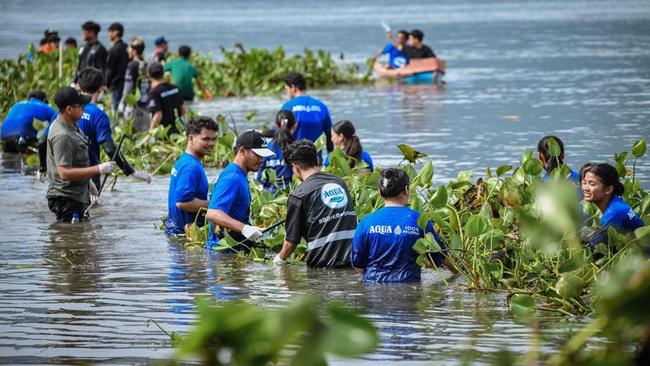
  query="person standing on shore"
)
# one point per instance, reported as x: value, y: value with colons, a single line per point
x: 92, y: 53
x: 188, y: 184
x: 160, y: 52
x: 320, y: 210
x: 230, y: 202
x: 165, y: 102
x: 70, y: 189
x: 312, y: 116
x: 116, y: 63
x: 183, y: 73
x: 135, y: 80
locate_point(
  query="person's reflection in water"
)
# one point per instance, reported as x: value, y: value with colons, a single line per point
x: 187, y: 275
x: 226, y: 275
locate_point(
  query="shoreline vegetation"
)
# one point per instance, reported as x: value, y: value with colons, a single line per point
x: 505, y: 230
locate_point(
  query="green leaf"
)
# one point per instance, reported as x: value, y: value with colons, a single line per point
x: 456, y: 243
x: 571, y: 264
x: 503, y: 169
x: 533, y: 167
x: 439, y: 198
x: 522, y: 305
x: 349, y: 334
x: 643, y: 234
x: 476, y: 225
x: 426, y: 174
x: 621, y: 169
x: 639, y: 149
x: 553, y: 147
x: 410, y: 154
x: 569, y: 286
x: 420, y: 246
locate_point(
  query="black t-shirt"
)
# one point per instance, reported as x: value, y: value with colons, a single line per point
x: 136, y: 73
x: 116, y: 63
x: 321, y: 211
x: 92, y: 54
x: 424, y: 52
x: 166, y: 97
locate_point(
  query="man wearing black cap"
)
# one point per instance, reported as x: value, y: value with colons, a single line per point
x: 68, y: 169
x: 230, y: 203
x: 320, y: 210
x: 93, y: 52
x: 165, y: 101
x: 116, y: 63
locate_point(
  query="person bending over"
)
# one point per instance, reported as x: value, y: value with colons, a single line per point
x: 382, y: 249
x: 344, y: 137
x: 230, y: 203
x: 285, y: 125
x: 188, y: 184
x: 18, y: 133
x: 320, y: 211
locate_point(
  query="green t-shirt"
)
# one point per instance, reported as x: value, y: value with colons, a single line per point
x: 182, y: 74
x: 67, y: 146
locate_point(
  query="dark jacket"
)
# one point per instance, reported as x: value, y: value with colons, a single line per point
x: 91, y: 54
x: 116, y: 63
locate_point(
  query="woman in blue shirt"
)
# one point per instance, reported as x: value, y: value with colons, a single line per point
x: 601, y: 186
x: 382, y: 248
x: 344, y: 137
x: 285, y: 126
x: 549, y: 162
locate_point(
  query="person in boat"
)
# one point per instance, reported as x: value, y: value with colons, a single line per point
x: 320, y: 211
x: 230, y: 203
x: 550, y: 163
x: 18, y: 133
x: 382, y: 249
x: 285, y: 126
x: 344, y: 137
x: 416, y: 49
x: 601, y: 186
x: 188, y: 184
x: 394, y: 49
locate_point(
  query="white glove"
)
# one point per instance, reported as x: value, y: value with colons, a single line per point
x: 92, y: 190
x: 107, y: 168
x: 279, y: 261
x: 252, y: 233
x: 41, y: 176
x: 120, y: 108
x: 144, y: 176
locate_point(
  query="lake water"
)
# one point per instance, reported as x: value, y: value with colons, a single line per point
x: 517, y: 71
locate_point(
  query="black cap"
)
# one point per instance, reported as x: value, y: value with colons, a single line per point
x: 68, y: 96
x: 254, y: 140
x: 155, y: 69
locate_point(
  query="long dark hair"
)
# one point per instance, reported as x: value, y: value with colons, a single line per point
x: 284, y: 122
x: 606, y: 173
x: 551, y: 161
x: 351, y: 145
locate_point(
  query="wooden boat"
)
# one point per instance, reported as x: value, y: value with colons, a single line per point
x: 417, y: 70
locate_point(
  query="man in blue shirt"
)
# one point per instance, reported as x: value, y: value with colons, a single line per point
x: 188, y: 185
x: 312, y: 116
x: 19, y: 122
x: 396, y: 57
x: 230, y: 203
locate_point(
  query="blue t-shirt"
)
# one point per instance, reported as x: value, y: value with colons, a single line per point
x: 621, y: 216
x: 396, y: 58
x: 95, y: 124
x: 365, y: 157
x: 19, y: 120
x: 573, y: 177
x: 312, y: 117
x: 187, y: 182
x: 231, y: 195
x: 283, y: 172
x: 383, y: 245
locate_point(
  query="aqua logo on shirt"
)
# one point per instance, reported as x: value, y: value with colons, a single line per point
x: 333, y: 196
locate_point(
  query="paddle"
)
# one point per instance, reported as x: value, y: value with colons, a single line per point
x: 101, y: 187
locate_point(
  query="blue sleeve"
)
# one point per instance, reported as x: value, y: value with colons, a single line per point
x: 186, y: 182
x: 224, y: 194
x: 389, y: 47
x: 327, y: 161
x: 103, y: 128
x: 438, y: 258
x: 366, y: 158
x: 45, y: 113
x: 359, y: 253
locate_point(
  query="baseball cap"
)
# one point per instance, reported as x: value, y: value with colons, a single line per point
x: 160, y: 40
x: 253, y: 140
x: 68, y: 96
x: 155, y: 69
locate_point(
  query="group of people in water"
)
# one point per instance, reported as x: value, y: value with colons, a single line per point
x: 320, y: 210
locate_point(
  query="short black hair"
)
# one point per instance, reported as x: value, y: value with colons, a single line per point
x: 42, y: 41
x: 301, y: 153
x: 38, y: 94
x: 416, y: 33
x: 184, y: 51
x: 53, y: 38
x: 91, y: 26
x: 295, y: 79
x: 90, y: 79
x: 392, y: 182
x: 404, y: 32
x: 197, y: 123
x: 71, y: 41
x: 117, y: 27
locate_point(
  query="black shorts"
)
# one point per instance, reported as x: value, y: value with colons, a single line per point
x: 64, y: 208
x: 11, y: 145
